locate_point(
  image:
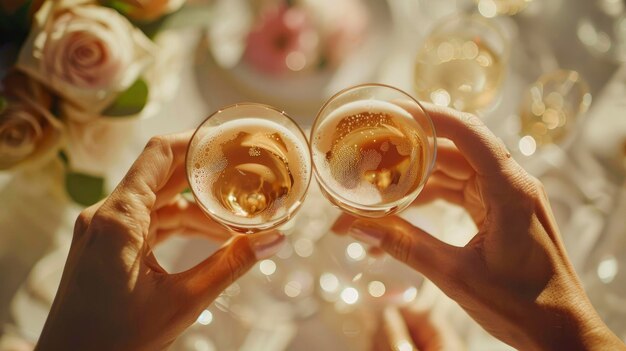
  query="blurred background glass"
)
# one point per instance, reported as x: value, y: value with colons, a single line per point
x: 462, y: 63
x: 603, y: 29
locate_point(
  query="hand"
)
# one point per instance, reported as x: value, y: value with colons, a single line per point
x: 513, y: 277
x: 414, y: 328
x: 114, y: 295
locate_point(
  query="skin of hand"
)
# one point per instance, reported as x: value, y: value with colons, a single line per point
x: 513, y: 277
x: 113, y: 294
x: 414, y: 328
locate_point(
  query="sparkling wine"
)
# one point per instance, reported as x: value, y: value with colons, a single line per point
x: 454, y: 71
x: 371, y: 153
x: 249, y: 170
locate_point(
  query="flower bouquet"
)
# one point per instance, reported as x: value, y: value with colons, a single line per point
x: 75, y: 74
x: 291, y: 53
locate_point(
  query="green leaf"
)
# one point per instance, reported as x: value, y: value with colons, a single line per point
x: 120, y: 6
x: 153, y: 27
x: 187, y: 195
x: 130, y: 102
x: 3, y: 103
x: 84, y: 189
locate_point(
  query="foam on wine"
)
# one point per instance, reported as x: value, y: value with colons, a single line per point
x: 250, y: 170
x: 370, y: 152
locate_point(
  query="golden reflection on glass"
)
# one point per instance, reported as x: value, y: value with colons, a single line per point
x: 492, y: 8
x: 550, y: 108
x: 461, y: 64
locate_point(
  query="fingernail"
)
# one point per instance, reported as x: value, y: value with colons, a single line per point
x: 366, y: 233
x: 267, y: 245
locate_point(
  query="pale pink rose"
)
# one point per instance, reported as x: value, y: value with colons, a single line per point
x: 163, y: 75
x: 85, y: 49
x: 343, y: 25
x: 85, y: 52
x: 283, y: 39
x: 162, y: 78
x: 95, y: 147
x: 148, y: 10
x: 29, y: 133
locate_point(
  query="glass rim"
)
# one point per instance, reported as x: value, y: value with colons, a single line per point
x: 353, y: 204
x: 271, y: 224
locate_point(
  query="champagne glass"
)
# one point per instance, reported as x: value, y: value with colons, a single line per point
x: 462, y: 63
x: 551, y: 108
x: 371, y: 158
x: 248, y: 167
x: 602, y: 29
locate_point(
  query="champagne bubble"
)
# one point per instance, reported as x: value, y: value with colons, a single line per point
x: 250, y: 171
x: 368, y: 152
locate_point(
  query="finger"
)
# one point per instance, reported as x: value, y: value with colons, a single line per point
x: 408, y: 244
x: 342, y: 223
x: 129, y: 206
x: 84, y: 218
x: 162, y: 235
x: 185, y: 218
x: 396, y: 331
x: 182, y: 214
x: 422, y: 329
x: 443, y: 180
x: 480, y: 147
x: 209, y: 278
x: 434, y: 192
x: 83, y: 221
x: 375, y: 251
x: 176, y: 183
x: 162, y: 157
x: 451, y: 162
x: 430, y: 333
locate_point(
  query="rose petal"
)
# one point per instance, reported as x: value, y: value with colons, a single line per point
x: 96, y: 146
x: 66, y: 33
x: 27, y: 137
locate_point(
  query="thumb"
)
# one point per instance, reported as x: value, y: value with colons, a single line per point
x: 408, y: 244
x: 209, y: 278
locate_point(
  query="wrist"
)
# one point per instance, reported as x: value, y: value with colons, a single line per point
x: 575, y: 327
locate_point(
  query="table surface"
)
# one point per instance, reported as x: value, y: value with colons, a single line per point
x: 36, y: 222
